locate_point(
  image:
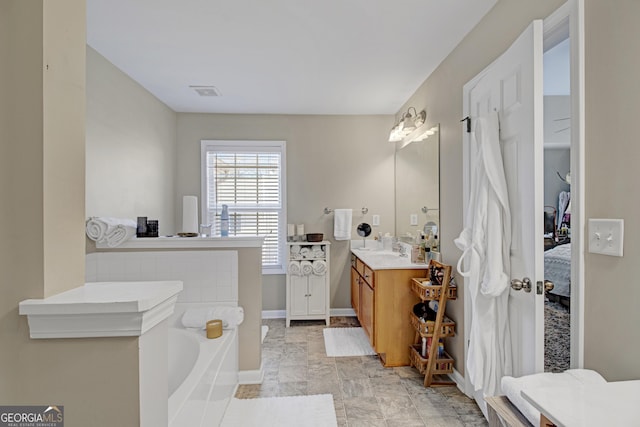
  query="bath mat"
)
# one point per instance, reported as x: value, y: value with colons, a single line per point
x: 341, y: 342
x: 293, y: 411
x: 265, y: 329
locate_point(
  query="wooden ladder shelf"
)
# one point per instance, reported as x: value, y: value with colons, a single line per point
x: 436, y: 287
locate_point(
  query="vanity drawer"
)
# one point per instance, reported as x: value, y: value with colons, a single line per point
x: 360, y: 266
x: 368, y: 276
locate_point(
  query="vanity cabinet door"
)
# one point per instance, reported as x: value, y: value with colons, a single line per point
x: 355, y: 292
x: 366, y: 310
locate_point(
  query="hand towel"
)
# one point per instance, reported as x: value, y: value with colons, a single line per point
x: 342, y: 224
x: 294, y: 268
x: 306, y: 268
x: 319, y: 267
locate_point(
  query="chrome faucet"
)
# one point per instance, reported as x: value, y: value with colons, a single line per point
x: 403, y: 250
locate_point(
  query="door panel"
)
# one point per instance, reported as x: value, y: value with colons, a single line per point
x: 317, y: 296
x: 512, y: 87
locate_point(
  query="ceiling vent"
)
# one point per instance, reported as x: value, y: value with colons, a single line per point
x: 206, y: 90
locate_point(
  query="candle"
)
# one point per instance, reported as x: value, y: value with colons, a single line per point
x: 300, y: 229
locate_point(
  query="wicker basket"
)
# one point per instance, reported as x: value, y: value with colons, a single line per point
x: 442, y: 366
x: 426, y: 329
x: 429, y: 292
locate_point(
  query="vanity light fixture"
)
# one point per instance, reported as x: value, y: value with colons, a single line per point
x: 407, y: 124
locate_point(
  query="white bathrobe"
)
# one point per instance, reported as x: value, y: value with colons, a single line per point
x: 486, y: 243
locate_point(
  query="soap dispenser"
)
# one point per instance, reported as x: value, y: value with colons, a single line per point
x: 224, y: 221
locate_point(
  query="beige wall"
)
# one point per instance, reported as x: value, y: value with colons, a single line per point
x: 612, y: 293
x: 130, y: 148
x: 441, y: 94
x: 332, y: 161
x: 42, y: 106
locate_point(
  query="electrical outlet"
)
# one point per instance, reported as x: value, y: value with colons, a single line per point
x: 413, y: 219
x: 606, y: 236
x: 376, y: 220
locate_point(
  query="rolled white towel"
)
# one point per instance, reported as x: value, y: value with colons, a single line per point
x: 119, y: 234
x: 294, y: 268
x: 317, y: 251
x: 295, y: 249
x: 305, y: 252
x: 96, y: 229
x: 306, y: 268
x: 231, y: 317
x: 110, y: 230
x: 319, y: 267
x: 197, y: 317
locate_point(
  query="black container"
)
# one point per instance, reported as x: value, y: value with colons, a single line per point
x: 152, y: 228
x: 141, y: 229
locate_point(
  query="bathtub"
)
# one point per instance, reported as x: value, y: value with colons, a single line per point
x: 203, y: 375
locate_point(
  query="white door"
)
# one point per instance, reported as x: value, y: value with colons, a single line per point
x: 512, y: 86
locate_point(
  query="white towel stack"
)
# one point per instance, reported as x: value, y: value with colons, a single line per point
x: 342, y: 224
x: 109, y: 230
x: 197, y: 317
x: 319, y: 267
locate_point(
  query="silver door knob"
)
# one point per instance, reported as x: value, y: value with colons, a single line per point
x: 548, y: 285
x: 521, y: 284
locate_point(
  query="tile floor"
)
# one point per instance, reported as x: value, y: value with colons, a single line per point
x: 364, y: 392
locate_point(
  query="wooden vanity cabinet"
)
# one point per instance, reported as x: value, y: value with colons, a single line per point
x: 382, y: 301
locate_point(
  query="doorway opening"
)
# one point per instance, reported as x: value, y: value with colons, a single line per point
x: 557, y: 201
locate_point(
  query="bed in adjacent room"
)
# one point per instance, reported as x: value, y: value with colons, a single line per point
x: 557, y: 268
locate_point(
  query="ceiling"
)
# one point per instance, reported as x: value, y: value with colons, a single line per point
x: 281, y: 56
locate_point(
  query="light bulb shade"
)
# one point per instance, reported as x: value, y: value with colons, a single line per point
x: 408, y: 124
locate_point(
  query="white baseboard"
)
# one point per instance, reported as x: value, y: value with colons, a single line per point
x: 458, y: 379
x: 274, y: 314
x: 343, y: 312
x: 255, y: 376
x: 281, y: 314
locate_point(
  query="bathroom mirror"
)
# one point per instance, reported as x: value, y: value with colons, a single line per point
x: 417, y: 186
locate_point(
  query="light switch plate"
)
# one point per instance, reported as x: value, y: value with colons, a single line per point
x: 376, y: 220
x: 606, y: 236
x: 413, y: 219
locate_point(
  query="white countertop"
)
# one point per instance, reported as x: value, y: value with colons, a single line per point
x: 175, y: 242
x: 101, y: 309
x: 385, y: 260
x: 590, y: 405
x: 104, y: 297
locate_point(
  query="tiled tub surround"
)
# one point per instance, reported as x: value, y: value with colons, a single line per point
x: 209, y: 269
x: 364, y: 392
x: 207, y: 276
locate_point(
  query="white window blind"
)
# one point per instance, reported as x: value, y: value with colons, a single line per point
x: 248, y: 177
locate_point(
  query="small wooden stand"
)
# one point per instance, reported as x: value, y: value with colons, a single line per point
x: 433, y: 368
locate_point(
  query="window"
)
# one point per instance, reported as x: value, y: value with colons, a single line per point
x: 248, y: 177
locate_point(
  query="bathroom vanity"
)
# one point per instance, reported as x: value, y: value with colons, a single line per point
x: 382, y: 298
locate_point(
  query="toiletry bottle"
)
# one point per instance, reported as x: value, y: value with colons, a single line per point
x: 224, y: 221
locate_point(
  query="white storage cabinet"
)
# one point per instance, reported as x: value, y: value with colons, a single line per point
x: 308, y: 293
